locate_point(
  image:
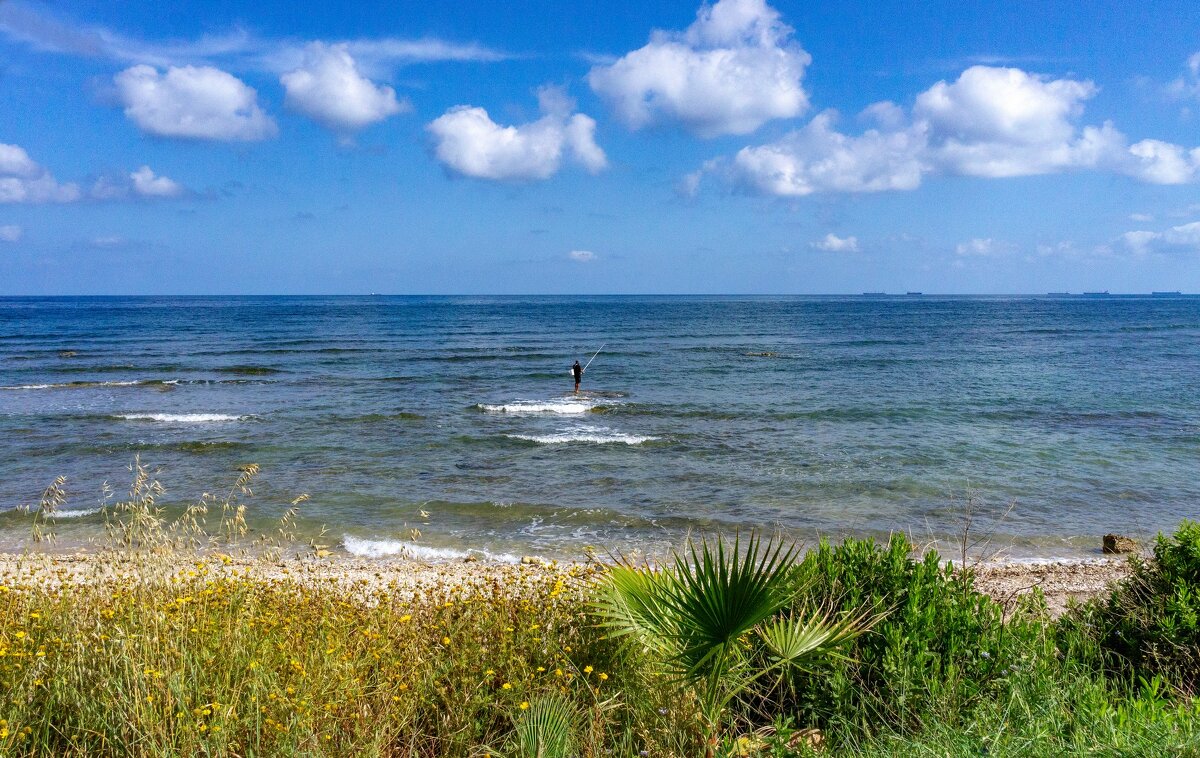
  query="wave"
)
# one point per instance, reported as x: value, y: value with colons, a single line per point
x: 532, y: 407
x: 594, y: 436
x: 81, y: 385
x: 182, y: 418
x: 76, y: 513
x: 248, y: 370
x: 366, y: 548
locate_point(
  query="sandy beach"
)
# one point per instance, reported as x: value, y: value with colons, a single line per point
x: 1061, y: 582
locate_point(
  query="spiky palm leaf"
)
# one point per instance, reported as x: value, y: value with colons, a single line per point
x: 701, y: 611
x: 795, y: 641
x: 717, y: 593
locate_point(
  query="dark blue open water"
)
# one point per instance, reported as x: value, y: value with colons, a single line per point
x: 816, y: 415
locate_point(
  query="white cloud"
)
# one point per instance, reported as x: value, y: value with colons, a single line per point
x: 819, y: 159
x: 835, y: 244
x: 979, y: 247
x: 1187, y: 86
x: 582, y: 256
x: 10, y: 233
x: 1157, y: 162
x: 1181, y: 239
x: 1001, y: 122
x: 48, y: 33
x: 329, y: 88
x: 468, y: 142
x: 23, y: 181
x: 147, y: 184
x: 192, y: 102
x: 990, y: 122
x: 143, y: 183
x: 1140, y: 217
x: 427, y: 50
x: 735, y: 68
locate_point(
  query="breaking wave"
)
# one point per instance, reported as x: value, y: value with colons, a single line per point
x: 594, y: 436
x: 183, y: 418
x: 533, y: 407
x: 365, y: 548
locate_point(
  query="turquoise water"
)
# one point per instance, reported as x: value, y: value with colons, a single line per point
x: 813, y: 415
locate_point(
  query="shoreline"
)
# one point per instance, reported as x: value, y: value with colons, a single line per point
x: 1061, y: 582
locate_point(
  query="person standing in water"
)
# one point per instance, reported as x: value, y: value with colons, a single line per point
x: 577, y: 370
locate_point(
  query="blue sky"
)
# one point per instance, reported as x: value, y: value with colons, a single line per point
x: 527, y: 147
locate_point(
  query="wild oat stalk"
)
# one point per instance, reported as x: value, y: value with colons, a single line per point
x: 53, y: 498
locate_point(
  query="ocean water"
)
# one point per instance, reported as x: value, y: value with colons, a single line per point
x: 454, y: 415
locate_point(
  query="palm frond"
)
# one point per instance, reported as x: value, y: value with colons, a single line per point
x: 718, y: 592
x: 629, y: 603
x: 795, y: 640
x: 546, y: 729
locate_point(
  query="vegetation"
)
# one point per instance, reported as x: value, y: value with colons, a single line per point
x: 1150, y: 625
x: 164, y: 643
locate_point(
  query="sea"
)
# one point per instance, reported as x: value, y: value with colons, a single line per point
x: 442, y: 427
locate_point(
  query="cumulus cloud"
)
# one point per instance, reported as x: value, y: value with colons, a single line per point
x: 990, y: 122
x: 835, y: 244
x: 1157, y: 162
x: 1177, y: 239
x: 192, y: 102
x: 735, y: 68
x: 1001, y: 122
x: 468, y: 142
x: 24, y: 181
x: 819, y: 159
x: 142, y: 183
x: 10, y: 233
x: 329, y: 89
x: 147, y: 184
x: 582, y: 256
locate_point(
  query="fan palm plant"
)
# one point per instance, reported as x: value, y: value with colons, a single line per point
x: 547, y: 729
x: 715, y: 616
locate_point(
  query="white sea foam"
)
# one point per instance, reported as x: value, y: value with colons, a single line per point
x: 366, y: 548
x: 597, y: 436
x: 531, y: 407
x: 182, y: 418
x: 79, y: 513
x: 80, y: 385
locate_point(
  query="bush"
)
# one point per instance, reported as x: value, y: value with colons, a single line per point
x: 1149, y: 625
x: 940, y: 648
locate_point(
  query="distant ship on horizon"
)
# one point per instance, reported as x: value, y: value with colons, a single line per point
x: 1105, y: 292
x: 873, y: 294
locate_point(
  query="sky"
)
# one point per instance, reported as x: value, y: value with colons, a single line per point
x: 224, y: 147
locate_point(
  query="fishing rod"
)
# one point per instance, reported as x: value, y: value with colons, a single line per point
x: 592, y: 358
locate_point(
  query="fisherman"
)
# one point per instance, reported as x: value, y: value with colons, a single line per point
x: 577, y: 370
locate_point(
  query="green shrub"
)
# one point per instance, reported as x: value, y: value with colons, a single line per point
x: 940, y: 648
x: 1149, y: 625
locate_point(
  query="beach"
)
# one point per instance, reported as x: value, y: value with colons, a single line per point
x: 1061, y: 583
